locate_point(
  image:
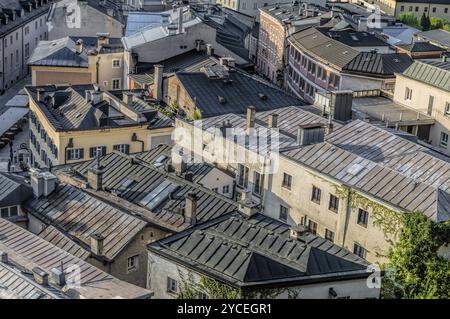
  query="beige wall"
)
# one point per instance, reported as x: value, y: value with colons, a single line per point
x: 421, y: 93
x: 419, y: 8
x: 43, y: 75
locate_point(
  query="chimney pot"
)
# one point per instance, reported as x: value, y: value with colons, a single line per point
x: 246, y: 206
x: 97, y: 242
x: 3, y: 257
x: 40, y: 276
x: 209, y: 49
x: 58, y: 277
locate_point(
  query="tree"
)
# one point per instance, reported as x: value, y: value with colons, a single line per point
x: 410, y: 19
x: 415, y: 270
x: 425, y: 22
x: 436, y: 23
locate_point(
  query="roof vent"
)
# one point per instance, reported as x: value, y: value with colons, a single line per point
x: 222, y: 100
x: 296, y: 231
x: 262, y: 96
x: 40, y: 276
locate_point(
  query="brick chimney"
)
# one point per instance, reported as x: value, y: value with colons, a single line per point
x: 190, y: 208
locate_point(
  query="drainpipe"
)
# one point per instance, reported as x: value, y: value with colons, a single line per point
x: 135, y: 139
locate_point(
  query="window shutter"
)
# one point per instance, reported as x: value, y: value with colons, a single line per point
x: 81, y: 153
x: 103, y: 150
x: 127, y: 149
x: 68, y: 155
x: 91, y: 152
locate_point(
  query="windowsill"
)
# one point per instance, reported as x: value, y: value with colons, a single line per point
x: 131, y: 270
x: 315, y: 201
x: 362, y: 225
x: 333, y: 211
x: 286, y: 187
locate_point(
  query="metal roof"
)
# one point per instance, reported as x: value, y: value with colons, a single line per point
x: 256, y: 251
x: 134, y: 180
x: 27, y: 251
x: 438, y: 36
x: 17, y: 6
x: 7, y: 187
x: 240, y: 90
x: 379, y: 64
x: 60, y: 52
x: 393, y: 169
x: 81, y: 215
x: 61, y: 240
x: 419, y: 46
x: 435, y: 73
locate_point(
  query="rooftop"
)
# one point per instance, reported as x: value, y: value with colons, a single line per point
x: 378, y: 63
x: 27, y: 251
x: 233, y: 93
x: 435, y: 73
x: 391, y: 169
x: 419, y: 46
x: 290, y: 13
x: 140, y: 184
x: 82, y: 107
x: 438, y: 36
x: 258, y: 251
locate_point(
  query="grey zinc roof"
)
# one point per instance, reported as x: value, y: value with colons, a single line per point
x: 243, y: 90
x: 61, y: 240
x: 7, y: 187
x: 81, y: 215
x: 383, y: 165
x: 379, y: 64
x: 431, y: 72
x: 255, y: 251
x: 27, y: 251
x: 60, y: 52
x: 324, y: 48
x: 136, y: 180
x: 419, y: 46
x: 438, y: 36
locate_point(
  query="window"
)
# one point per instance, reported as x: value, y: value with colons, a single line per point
x: 116, y: 84
x: 123, y: 148
x: 97, y: 151
x: 417, y: 9
x: 430, y: 104
x: 329, y: 235
x: 312, y: 226
x: 243, y: 175
x: 257, y: 183
x: 402, y: 8
x: 6, y: 43
x: 445, y: 10
x: 9, y: 212
x: 132, y: 263
x: 75, y: 154
x: 447, y: 108
x: 225, y: 189
x: 287, y: 181
x: 27, y: 50
x: 316, y: 194
x: 11, y: 39
x: 284, y: 213
x: 334, y: 203
x: 172, y: 285
x: 434, y: 9
x: 444, y: 139
x: 408, y: 94
x: 359, y: 250
x: 27, y: 30
x: 116, y: 63
x: 363, y: 217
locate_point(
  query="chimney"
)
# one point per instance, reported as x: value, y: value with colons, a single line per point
x: 444, y: 58
x: 37, y: 182
x: 58, y: 277
x: 189, y: 176
x: 95, y: 176
x: 310, y: 134
x: 272, y: 121
x: 209, y: 49
x: 96, y: 97
x: 79, y: 46
x: 40, y: 94
x: 190, y: 208
x: 40, y: 276
x: 329, y: 128
x: 180, y: 20
x: 341, y: 105
x: 296, y: 231
x: 97, y: 241
x: 88, y: 95
x: 102, y: 39
x: 251, y: 112
x: 178, y: 161
x: 246, y: 206
x: 158, y: 82
x: 49, y: 183
x: 3, y: 257
x: 127, y: 98
x: 198, y: 45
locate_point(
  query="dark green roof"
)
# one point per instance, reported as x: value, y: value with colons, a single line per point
x: 257, y: 251
x: 434, y: 73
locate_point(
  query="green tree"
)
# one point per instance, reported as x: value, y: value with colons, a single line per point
x: 425, y: 22
x: 410, y: 19
x: 414, y: 269
x: 436, y: 23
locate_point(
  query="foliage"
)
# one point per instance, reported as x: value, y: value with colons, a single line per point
x: 438, y: 23
x: 410, y: 19
x: 190, y: 289
x: 425, y: 22
x: 414, y: 269
x: 197, y: 114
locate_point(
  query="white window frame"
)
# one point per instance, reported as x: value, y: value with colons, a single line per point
x: 121, y: 147
x: 132, y: 263
x: 118, y: 66
x: 359, y: 249
x: 119, y: 81
x: 172, y: 285
x: 447, y: 108
x: 226, y: 189
x: 443, y: 141
x: 9, y: 211
x: 408, y: 94
x: 76, y: 151
x: 98, y: 148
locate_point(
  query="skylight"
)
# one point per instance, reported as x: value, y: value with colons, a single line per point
x: 355, y: 169
x: 158, y: 195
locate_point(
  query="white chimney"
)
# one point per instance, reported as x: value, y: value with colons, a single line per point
x: 246, y: 206
x: 49, y: 183
x: 96, y: 97
x: 58, y: 277
x: 97, y: 242
x: 79, y: 46
x: 40, y: 276
x: 37, y: 182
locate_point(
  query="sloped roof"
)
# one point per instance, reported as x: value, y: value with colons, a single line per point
x: 379, y: 64
x: 136, y: 180
x: 60, y: 52
x: 26, y: 251
x: 419, y: 46
x: 61, y: 240
x: 383, y: 165
x: 431, y: 72
x: 81, y: 215
x: 256, y: 251
x: 7, y: 186
x: 243, y: 90
x: 439, y: 36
